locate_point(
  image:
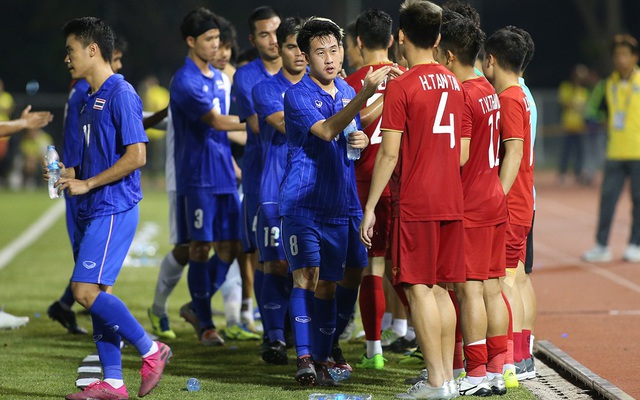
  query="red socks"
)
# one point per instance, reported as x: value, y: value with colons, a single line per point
x: 372, y: 305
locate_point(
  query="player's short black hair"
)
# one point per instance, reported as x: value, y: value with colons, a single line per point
x: 463, y: 8
x: 374, y: 29
x: 197, y: 21
x: 462, y: 37
x: 259, y: 14
x: 316, y: 27
x: 120, y: 44
x: 350, y: 30
x: 420, y: 21
x: 289, y: 27
x: 508, y: 48
x: 91, y: 30
x: 531, y: 47
x: 228, y: 35
x: 247, y: 55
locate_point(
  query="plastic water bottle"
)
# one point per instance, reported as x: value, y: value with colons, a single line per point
x: 352, y: 153
x: 193, y: 385
x: 52, y: 158
x: 339, y: 396
x: 339, y: 374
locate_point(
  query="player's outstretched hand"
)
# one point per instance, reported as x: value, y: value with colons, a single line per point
x: 36, y: 119
x: 373, y: 79
x: 366, y: 228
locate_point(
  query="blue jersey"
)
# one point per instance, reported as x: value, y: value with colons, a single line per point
x: 110, y: 120
x: 355, y: 208
x: 72, y: 148
x: 244, y: 80
x: 202, y: 155
x: 317, y: 180
x: 268, y: 97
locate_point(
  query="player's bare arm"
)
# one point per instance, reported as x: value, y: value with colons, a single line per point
x: 386, y: 161
x: 27, y: 120
x: 465, y: 143
x: 510, y: 163
x: 221, y: 122
x: 135, y: 157
x: 329, y: 128
x: 371, y: 113
x: 238, y: 137
x: 252, y: 121
x: 155, y: 119
x: 276, y: 120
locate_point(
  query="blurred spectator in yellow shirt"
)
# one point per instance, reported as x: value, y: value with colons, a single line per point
x: 573, y: 95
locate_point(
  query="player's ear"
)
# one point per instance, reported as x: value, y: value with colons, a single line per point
x: 306, y: 57
x: 438, y: 40
x: 191, y: 42
x: 359, y: 42
x: 400, y: 36
x: 390, y: 42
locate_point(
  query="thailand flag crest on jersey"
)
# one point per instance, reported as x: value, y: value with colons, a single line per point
x: 99, y: 104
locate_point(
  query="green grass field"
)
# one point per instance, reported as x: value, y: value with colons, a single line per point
x: 39, y: 361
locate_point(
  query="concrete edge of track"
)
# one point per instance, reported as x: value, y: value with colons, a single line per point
x: 580, y: 372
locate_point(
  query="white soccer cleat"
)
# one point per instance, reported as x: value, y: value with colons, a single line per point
x: 632, y: 253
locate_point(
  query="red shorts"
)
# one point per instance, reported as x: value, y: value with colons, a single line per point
x: 427, y: 252
x: 484, y: 252
x: 516, y: 244
x: 380, y: 242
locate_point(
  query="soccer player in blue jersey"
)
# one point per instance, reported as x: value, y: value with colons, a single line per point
x: 107, y: 183
x: 268, y: 99
x: 60, y: 310
x: 314, y: 194
x: 208, y: 205
x: 263, y: 23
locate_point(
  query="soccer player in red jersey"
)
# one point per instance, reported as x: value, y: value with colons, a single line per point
x: 484, y: 323
x: 504, y: 52
x: 421, y: 127
x: 373, y: 30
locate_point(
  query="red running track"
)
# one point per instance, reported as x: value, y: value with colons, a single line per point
x: 589, y: 310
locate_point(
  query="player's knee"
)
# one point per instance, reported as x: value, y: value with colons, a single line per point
x: 84, y: 293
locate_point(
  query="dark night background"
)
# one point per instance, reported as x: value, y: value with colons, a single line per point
x: 566, y: 32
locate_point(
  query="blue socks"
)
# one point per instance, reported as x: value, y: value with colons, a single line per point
x: 323, y: 328
x: 200, y: 289
x: 346, y: 303
x: 301, y: 312
x: 67, y: 297
x: 275, y: 303
x: 108, y: 345
x: 115, y: 316
x: 217, y: 272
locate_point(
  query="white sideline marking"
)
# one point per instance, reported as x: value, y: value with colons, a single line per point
x: 32, y: 233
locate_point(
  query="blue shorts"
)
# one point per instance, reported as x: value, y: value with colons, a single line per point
x: 268, y: 233
x: 208, y: 217
x: 249, y: 212
x: 308, y: 243
x: 101, y: 245
x: 357, y: 256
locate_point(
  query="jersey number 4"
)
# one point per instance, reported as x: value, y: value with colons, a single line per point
x: 438, y: 127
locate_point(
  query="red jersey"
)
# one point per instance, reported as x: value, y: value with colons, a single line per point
x: 364, y: 166
x: 515, y: 123
x: 426, y: 104
x: 484, y: 201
